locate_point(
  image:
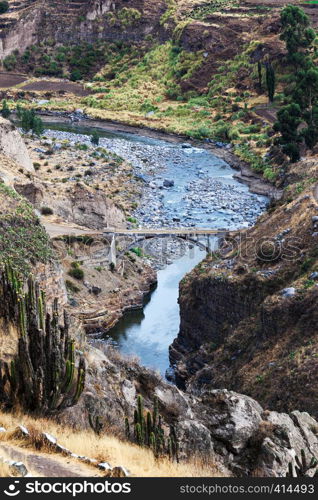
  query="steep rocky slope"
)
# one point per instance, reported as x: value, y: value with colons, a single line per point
x: 249, y: 316
x: 13, y: 147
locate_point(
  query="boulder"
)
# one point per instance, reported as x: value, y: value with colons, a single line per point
x: 22, y: 431
x: 119, y: 472
x: 105, y: 466
x: 168, y: 183
x: 287, y: 436
x: 253, y: 442
x: 49, y: 439
x: 288, y: 292
x: 233, y: 418
x: 18, y: 468
x: 61, y: 449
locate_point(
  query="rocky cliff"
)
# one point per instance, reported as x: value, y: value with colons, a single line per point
x: 13, y: 147
x: 249, y: 315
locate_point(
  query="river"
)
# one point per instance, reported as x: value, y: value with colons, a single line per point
x: 202, y: 193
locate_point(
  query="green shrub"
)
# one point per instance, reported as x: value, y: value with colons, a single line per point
x: 71, y: 287
x: 137, y: 251
x: 76, y: 75
x: 5, y: 111
x: 95, y: 138
x: 46, y: 211
x: 10, y: 62
x: 199, y: 133
x: 30, y: 122
x: 4, y: 7
x: 133, y: 220
x: 76, y: 272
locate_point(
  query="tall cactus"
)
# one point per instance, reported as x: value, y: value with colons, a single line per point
x: 45, y: 374
x: 149, y: 431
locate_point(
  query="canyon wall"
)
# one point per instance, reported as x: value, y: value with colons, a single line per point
x: 249, y: 324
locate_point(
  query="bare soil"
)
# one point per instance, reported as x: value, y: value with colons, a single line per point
x: 8, y: 80
x: 57, y: 86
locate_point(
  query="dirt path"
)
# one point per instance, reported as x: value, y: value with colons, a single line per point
x: 47, y: 85
x: 46, y: 465
x: 8, y: 80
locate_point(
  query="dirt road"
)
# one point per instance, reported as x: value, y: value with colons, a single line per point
x: 47, y: 465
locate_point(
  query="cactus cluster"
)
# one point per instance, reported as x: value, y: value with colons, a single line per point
x: 96, y: 423
x: 302, y: 467
x: 45, y: 374
x: 148, y: 431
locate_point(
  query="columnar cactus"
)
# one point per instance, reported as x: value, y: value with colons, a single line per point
x: 149, y: 431
x: 45, y: 374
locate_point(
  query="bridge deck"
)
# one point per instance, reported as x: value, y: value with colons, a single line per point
x: 166, y: 231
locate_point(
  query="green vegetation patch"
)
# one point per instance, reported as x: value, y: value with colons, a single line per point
x: 205, y: 9
x: 75, y: 61
x: 23, y: 241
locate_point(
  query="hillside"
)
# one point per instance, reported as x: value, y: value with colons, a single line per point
x: 163, y: 69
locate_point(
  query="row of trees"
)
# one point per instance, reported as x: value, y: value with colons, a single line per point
x: 30, y: 122
x: 297, y: 120
x: 28, y: 119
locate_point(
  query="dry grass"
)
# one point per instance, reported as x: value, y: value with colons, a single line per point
x: 5, y: 470
x: 139, y: 461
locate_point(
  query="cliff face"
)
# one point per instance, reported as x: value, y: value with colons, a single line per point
x: 19, y: 27
x: 116, y: 21
x: 13, y: 147
x: 89, y: 21
x: 249, y: 318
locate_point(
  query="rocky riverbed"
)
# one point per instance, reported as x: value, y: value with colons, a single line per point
x: 184, y: 186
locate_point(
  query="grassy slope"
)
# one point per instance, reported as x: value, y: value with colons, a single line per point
x: 139, y: 461
x: 149, y: 85
x: 157, y: 84
x: 23, y: 241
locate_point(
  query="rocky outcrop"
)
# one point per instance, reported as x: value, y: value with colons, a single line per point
x: 19, y: 30
x: 81, y: 206
x: 12, y: 146
x: 228, y: 429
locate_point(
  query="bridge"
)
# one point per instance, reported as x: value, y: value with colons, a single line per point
x: 138, y: 237
x: 122, y: 240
